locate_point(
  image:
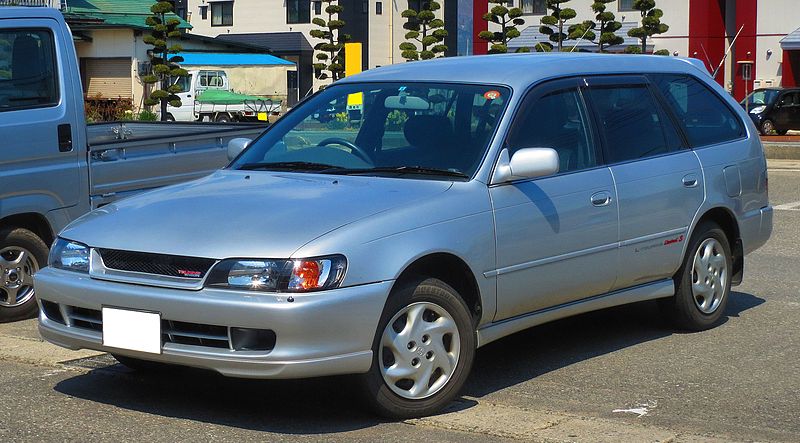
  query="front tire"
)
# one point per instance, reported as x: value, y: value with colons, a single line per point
x: 423, y: 351
x: 767, y: 127
x: 703, y: 283
x: 140, y: 365
x: 22, y: 254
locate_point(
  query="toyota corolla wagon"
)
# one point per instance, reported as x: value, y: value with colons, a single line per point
x: 449, y: 204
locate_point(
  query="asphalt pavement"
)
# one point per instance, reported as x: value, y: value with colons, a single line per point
x: 614, y: 375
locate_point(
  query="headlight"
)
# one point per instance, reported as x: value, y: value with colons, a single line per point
x: 758, y: 110
x: 299, y: 275
x: 69, y: 255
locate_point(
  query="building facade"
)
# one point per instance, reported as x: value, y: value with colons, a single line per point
x: 747, y: 43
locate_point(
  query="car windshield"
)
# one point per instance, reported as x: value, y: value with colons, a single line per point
x: 409, y: 130
x: 761, y: 97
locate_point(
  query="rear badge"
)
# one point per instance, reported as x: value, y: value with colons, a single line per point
x: 673, y: 240
x: 191, y: 274
x: 491, y: 95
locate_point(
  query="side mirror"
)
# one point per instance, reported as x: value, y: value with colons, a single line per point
x: 526, y: 163
x: 236, y: 146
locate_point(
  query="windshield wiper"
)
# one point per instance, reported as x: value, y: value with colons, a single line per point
x: 399, y: 170
x: 287, y: 166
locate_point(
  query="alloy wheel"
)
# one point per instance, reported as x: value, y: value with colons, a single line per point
x: 17, y: 266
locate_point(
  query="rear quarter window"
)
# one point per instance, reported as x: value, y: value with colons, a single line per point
x: 705, y: 117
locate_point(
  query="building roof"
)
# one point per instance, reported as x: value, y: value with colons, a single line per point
x: 791, y: 41
x: 111, y: 14
x: 530, y: 36
x: 277, y: 42
x: 230, y: 59
x: 519, y: 71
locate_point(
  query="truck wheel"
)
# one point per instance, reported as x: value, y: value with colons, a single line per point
x: 222, y: 118
x: 169, y: 118
x: 22, y: 253
x: 422, y: 351
x: 703, y: 283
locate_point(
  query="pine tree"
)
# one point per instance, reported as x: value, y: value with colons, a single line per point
x: 330, y: 52
x: 607, y: 25
x: 424, y: 28
x: 553, y: 25
x: 651, y: 23
x: 164, y: 67
x: 508, y: 19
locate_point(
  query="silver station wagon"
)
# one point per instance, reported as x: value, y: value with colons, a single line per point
x: 398, y: 220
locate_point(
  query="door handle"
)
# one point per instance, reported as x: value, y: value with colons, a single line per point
x: 64, y: 137
x: 108, y: 155
x: 602, y: 198
x: 690, y: 181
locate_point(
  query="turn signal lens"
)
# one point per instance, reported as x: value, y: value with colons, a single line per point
x: 306, y: 274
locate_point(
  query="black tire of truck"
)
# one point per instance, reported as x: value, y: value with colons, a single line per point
x: 222, y: 118
x: 15, y: 273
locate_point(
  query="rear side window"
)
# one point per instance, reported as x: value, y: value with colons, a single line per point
x: 705, y: 117
x: 27, y: 69
x: 633, y: 125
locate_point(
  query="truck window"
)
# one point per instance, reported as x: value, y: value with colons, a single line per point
x: 27, y: 69
x: 705, y: 117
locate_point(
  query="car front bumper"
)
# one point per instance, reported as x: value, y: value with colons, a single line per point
x: 316, y: 334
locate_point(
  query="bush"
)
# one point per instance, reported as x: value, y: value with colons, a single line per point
x: 99, y: 109
x: 395, y: 120
x: 147, y: 116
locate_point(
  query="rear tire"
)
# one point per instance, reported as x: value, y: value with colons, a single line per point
x: 169, y: 118
x: 422, y: 352
x: 703, y: 283
x: 222, y: 118
x: 17, y: 296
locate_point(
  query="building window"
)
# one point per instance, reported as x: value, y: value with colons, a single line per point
x: 222, y: 14
x: 510, y: 3
x: 298, y: 11
x: 536, y: 7
x: 625, y: 5
x: 379, y: 8
x: 204, y: 12
x: 317, y: 8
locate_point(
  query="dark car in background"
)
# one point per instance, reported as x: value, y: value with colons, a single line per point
x: 774, y: 110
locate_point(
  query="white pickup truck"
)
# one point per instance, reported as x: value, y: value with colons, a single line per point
x: 207, y: 96
x: 54, y: 168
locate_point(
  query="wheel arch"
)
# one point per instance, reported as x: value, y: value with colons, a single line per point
x: 725, y: 219
x: 452, y: 270
x: 31, y: 221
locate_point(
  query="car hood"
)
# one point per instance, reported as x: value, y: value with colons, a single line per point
x: 244, y: 214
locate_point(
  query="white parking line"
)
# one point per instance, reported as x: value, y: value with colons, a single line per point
x: 794, y: 206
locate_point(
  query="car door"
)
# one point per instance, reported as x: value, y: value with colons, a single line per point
x: 39, y: 162
x: 783, y: 111
x: 794, y: 116
x: 556, y: 235
x: 658, y: 180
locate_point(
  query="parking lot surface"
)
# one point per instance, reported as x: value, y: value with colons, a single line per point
x: 614, y: 375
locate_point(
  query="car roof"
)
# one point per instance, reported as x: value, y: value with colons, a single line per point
x: 520, y: 70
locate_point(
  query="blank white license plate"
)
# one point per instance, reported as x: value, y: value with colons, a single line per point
x: 132, y: 330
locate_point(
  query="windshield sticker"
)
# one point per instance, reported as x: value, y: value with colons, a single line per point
x: 491, y: 95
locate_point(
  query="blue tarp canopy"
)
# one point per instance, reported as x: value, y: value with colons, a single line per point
x: 230, y: 59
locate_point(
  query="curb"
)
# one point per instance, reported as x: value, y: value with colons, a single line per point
x: 782, y: 151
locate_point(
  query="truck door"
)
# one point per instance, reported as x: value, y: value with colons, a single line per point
x: 41, y: 135
x: 185, y: 113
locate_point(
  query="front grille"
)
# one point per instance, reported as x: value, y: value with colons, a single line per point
x: 158, y: 264
x: 184, y: 333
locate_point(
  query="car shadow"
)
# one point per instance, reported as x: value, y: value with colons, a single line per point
x: 330, y: 404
